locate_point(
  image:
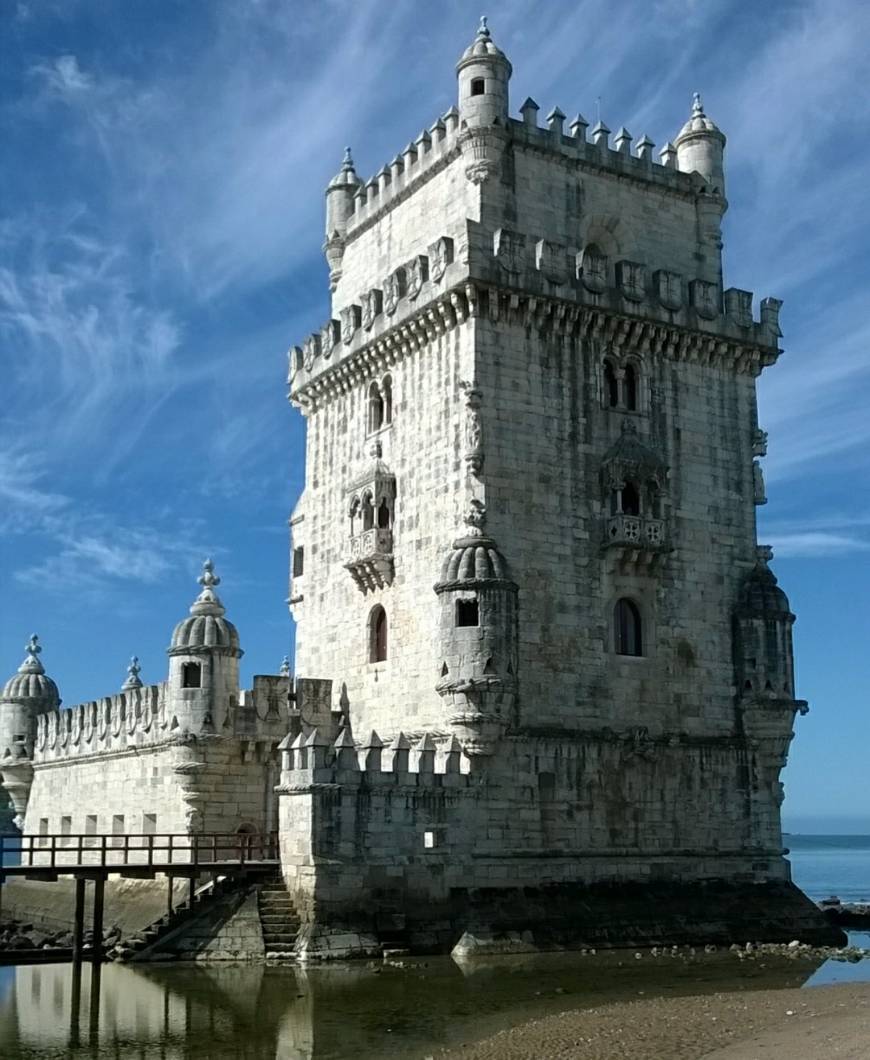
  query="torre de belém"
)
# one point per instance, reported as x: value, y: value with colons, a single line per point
x: 545, y: 686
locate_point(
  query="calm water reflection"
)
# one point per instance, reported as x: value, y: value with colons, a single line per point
x: 352, y: 1010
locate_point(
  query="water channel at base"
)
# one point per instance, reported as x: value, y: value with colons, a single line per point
x: 365, y: 1010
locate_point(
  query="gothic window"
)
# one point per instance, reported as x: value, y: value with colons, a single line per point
x: 368, y: 512
x: 654, y: 500
x: 376, y: 408
x: 630, y: 499
x: 354, y: 516
x: 611, y: 387
x: 384, y: 515
x: 627, y: 628
x: 378, y: 635
x: 467, y: 613
x: 629, y: 388
x: 191, y: 675
x: 477, y: 86
x: 387, y: 396
x: 298, y: 561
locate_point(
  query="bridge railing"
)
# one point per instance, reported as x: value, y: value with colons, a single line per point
x: 157, y: 849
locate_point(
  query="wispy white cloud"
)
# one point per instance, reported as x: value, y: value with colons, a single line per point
x: 816, y: 543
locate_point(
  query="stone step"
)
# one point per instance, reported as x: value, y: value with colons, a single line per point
x: 279, y: 921
x: 279, y: 942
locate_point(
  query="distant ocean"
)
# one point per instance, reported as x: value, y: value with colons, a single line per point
x: 826, y: 865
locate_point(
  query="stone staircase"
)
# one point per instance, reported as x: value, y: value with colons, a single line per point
x: 278, y: 919
x: 134, y: 946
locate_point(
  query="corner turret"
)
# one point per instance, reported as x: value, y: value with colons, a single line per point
x: 339, y: 206
x: 204, y: 663
x: 478, y: 639
x: 701, y: 148
x: 483, y: 73
x: 25, y: 696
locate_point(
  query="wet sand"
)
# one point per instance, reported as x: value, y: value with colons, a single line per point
x: 822, y: 1023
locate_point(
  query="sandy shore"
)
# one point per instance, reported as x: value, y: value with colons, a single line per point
x: 823, y: 1023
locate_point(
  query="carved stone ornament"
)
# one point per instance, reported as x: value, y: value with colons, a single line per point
x: 669, y: 289
x: 393, y: 290
x: 759, y: 442
x: 705, y: 298
x: 418, y: 274
x: 550, y: 259
x: 330, y: 336
x: 593, y: 271
x: 631, y: 278
x: 473, y: 428
x: 350, y: 321
x: 440, y: 256
x: 510, y: 250
x: 759, y: 492
x: 310, y: 350
x: 372, y: 307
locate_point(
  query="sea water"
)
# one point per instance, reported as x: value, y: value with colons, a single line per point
x: 824, y: 866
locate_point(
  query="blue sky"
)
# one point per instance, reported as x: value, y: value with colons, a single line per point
x: 160, y: 233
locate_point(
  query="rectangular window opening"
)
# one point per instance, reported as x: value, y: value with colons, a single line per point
x: 467, y: 613
x: 65, y: 830
x: 149, y: 823
x: 477, y: 86
x: 428, y: 840
x: 117, y: 828
x: 298, y: 561
x: 191, y: 675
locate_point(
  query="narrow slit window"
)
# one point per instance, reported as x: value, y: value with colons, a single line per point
x: 378, y: 635
x: 467, y: 613
x: 629, y: 388
x: 376, y: 408
x: 627, y: 623
x: 611, y: 386
x: 298, y: 561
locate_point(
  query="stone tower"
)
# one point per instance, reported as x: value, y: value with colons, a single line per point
x: 528, y: 523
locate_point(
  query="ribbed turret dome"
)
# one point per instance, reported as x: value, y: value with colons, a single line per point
x: 699, y: 122
x: 472, y: 559
x: 346, y: 177
x: 482, y: 46
x: 31, y: 681
x: 206, y: 626
x: 760, y: 593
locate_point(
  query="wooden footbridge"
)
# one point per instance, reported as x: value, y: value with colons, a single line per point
x: 96, y: 857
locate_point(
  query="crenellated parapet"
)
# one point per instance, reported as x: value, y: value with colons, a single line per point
x: 426, y: 761
x: 682, y: 325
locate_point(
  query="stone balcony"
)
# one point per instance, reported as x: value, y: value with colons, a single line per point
x: 635, y: 540
x: 370, y: 558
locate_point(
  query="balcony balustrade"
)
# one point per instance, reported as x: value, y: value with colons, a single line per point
x: 370, y: 558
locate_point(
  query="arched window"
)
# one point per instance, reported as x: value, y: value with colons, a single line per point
x: 191, y: 675
x: 354, y: 516
x: 384, y: 515
x: 630, y: 499
x: 378, y: 635
x: 368, y: 512
x: 611, y: 387
x: 629, y: 388
x: 376, y: 408
x: 387, y: 395
x: 654, y: 500
x: 627, y: 628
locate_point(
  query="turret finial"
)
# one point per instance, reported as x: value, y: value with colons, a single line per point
x: 208, y: 579
x: 347, y: 162
x: 133, y: 680
x: 697, y: 106
x: 31, y: 664
x: 208, y: 602
x: 285, y: 667
x: 483, y: 29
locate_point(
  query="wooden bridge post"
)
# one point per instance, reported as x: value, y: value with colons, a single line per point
x: 99, y: 895
x: 79, y: 927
